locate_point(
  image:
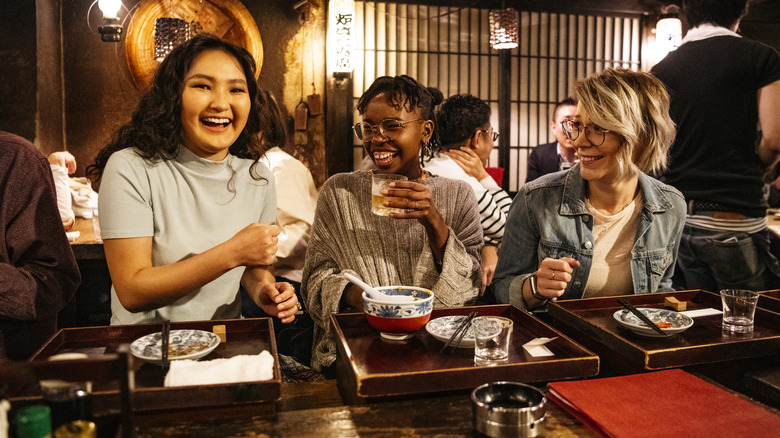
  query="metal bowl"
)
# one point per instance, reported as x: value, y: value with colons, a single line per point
x: 509, y: 409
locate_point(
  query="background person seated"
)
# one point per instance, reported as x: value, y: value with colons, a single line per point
x: 558, y: 155
x: 296, y: 198
x: 467, y: 139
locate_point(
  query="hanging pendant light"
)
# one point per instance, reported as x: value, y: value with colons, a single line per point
x: 504, y: 25
x: 169, y: 33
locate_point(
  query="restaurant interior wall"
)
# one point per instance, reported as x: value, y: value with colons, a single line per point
x: 65, y: 89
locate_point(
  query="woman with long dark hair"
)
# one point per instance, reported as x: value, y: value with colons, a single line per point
x: 186, y: 209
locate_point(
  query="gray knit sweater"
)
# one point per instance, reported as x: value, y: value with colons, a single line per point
x: 347, y: 237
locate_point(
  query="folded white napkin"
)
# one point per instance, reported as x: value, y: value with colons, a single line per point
x: 701, y: 312
x: 72, y: 235
x: 536, y: 348
x: 242, y: 368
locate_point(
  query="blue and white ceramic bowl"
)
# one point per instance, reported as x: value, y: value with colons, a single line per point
x: 398, y: 321
x: 679, y: 321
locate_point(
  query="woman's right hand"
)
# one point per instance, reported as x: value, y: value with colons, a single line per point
x: 554, y: 275
x: 255, y: 245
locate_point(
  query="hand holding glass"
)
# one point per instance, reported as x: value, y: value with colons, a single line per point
x: 379, y: 182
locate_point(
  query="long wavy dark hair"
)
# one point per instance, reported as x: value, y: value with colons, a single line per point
x: 405, y: 92
x: 155, y: 127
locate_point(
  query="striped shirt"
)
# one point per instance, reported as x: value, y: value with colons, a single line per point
x: 493, y: 202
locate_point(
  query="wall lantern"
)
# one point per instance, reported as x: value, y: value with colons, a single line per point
x: 504, y: 24
x: 341, y: 34
x: 111, y: 29
x: 668, y: 33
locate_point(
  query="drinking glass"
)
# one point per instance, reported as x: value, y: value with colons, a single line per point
x: 491, y: 340
x: 379, y: 182
x: 739, y: 309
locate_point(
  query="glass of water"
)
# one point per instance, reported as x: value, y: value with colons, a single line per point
x: 492, y: 335
x: 739, y: 309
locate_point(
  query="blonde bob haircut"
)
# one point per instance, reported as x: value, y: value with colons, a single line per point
x: 635, y: 106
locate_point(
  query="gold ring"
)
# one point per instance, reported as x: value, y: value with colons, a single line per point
x: 553, y: 277
x: 416, y: 205
x: 300, y: 307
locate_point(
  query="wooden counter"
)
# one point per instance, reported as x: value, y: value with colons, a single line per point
x: 85, y: 247
x: 91, y: 305
x: 315, y: 409
x: 774, y: 223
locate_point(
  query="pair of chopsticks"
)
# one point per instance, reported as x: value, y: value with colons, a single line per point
x: 165, y: 335
x: 642, y: 316
x: 459, y: 333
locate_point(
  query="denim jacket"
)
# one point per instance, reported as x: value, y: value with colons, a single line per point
x: 548, y: 218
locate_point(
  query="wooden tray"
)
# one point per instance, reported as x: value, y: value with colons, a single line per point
x: 770, y: 300
x: 590, y: 322
x: 371, y: 368
x: 244, y: 336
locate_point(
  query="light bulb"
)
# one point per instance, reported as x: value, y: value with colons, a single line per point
x: 110, y: 8
x: 668, y: 36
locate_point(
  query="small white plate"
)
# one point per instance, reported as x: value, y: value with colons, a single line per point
x: 443, y: 327
x: 679, y: 321
x: 182, y: 344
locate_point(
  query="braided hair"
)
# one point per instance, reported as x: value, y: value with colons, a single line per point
x: 405, y: 92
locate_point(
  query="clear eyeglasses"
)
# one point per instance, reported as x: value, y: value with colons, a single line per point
x: 387, y: 128
x: 495, y: 133
x: 594, y: 133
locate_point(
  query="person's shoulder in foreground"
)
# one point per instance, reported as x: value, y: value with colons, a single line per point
x: 38, y: 272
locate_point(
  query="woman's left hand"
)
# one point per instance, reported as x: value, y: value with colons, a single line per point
x: 469, y: 161
x: 554, y: 275
x: 278, y: 299
x: 415, y: 199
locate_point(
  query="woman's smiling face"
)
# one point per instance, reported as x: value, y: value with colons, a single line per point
x: 597, y: 163
x: 215, y: 104
x: 400, y: 155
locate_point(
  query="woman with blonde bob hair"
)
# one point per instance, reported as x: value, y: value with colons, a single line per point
x: 604, y: 227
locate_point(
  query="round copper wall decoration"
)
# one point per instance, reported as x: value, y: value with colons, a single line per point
x: 227, y: 19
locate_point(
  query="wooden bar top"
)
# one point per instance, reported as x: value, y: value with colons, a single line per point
x: 315, y: 409
x: 773, y: 216
x: 85, y: 247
